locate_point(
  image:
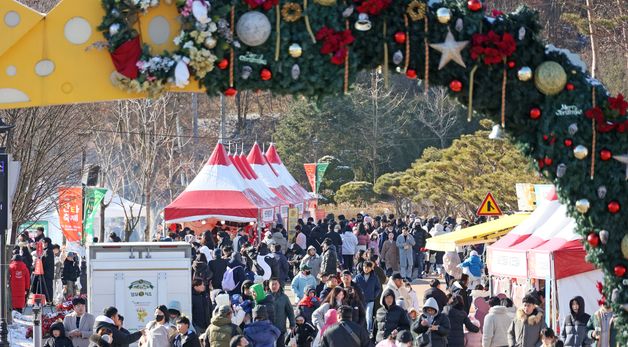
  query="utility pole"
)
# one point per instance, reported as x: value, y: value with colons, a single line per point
x: 4, y: 225
x: 223, y: 117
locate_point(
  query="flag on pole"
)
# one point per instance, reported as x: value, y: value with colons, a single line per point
x: 93, y: 197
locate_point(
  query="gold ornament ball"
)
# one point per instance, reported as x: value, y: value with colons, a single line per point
x: 444, y: 15
x: 550, y: 78
x: 524, y: 74
x: 295, y: 50
x: 624, y: 246
x: 580, y: 152
x: 583, y: 206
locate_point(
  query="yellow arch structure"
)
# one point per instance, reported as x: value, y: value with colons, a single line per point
x: 48, y: 59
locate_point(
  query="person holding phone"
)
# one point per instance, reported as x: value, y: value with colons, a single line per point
x: 432, y: 326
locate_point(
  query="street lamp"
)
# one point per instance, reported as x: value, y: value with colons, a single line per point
x: 4, y: 224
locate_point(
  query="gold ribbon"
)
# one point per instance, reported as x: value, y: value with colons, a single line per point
x: 385, y: 57
x: 503, y: 110
x: 308, y: 27
x: 470, y: 106
x: 231, y: 51
x: 278, y: 29
x: 407, y: 63
x: 427, y: 57
x: 593, y: 135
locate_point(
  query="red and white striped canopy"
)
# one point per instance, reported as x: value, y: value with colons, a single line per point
x: 275, y: 162
x: 262, y: 168
x: 218, y: 191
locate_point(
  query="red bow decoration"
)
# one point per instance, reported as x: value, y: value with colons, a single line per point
x: 604, y: 125
x: 126, y: 56
x: 265, y: 4
x: 492, y: 47
x: 335, y: 43
x: 373, y: 7
x: 600, y: 289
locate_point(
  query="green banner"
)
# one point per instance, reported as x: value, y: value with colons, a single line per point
x: 320, y: 173
x: 93, y: 197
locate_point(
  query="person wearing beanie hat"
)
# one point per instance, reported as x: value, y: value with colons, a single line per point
x: 261, y: 332
x: 525, y: 329
x: 432, y: 326
x: 308, y: 304
x: 57, y: 337
x: 302, y: 280
x: 221, y: 329
x: 79, y: 324
x: 313, y: 260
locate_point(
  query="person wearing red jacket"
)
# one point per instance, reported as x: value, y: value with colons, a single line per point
x: 20, y: 282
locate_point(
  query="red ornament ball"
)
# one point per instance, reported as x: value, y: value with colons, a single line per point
x: 593, y: 239
x: 265, y: 74
x: 512, y: 64
x: 570, y: 86
x: 411, y: 73
x: 568, y: 142
x: 613, y: 207
x: 455, y: 86
x: 619, y: 270
x: 548, y: 161
x: 541, y: 163
x: 606, y: 154
x: 535, y: 113
x: 231, y: 91
x: 545, y: 137
x: 400, y: 37
x: 223, y: 64
x: 474, y: 5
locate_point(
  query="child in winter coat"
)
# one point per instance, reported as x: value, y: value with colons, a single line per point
x: 303, y: 334
x: 58, y: 338
x: 308, y: 304
x: 473, y: 266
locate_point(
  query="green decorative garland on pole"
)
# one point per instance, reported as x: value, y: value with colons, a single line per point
x: 497, y: 65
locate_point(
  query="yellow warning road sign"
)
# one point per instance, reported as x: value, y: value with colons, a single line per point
x: 489, y: 207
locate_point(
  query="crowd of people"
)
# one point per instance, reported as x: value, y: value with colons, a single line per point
x: 351, y: 281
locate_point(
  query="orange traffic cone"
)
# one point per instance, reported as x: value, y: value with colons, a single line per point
x: 39, y: 267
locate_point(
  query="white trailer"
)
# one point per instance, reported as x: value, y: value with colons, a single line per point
x: 136, y: 277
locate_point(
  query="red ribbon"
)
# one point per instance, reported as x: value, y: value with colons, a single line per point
x: 126, y: 56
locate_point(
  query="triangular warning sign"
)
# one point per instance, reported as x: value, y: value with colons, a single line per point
x: 489, y: 207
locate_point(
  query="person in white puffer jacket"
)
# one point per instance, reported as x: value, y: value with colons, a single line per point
x: 349, y: 247
x: 496, y: 323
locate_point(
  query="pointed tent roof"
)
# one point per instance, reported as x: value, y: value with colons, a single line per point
x: 282, y: 171
x: 262, y: 168
x: 218, y: 191
x: 255, y: 183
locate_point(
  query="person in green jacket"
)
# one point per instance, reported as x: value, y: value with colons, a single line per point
x: 283, y: 310
x: 262, y: 298
x: 601, y: 327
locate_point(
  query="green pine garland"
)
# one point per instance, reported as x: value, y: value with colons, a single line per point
x: 545, y: 139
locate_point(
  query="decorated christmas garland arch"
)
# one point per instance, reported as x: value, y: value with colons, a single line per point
x: 494, y: 63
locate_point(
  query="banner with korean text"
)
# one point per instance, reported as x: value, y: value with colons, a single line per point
x: 71, y: 213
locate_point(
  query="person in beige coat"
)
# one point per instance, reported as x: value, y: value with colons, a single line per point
x: 496, y: 324
x: 79, y: 324
x: 390, y: 254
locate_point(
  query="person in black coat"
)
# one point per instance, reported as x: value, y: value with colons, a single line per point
x: 83, y: 277
x: 316, y: 237
x: 217, y: 268
x: 58, y: 338
x: 282, y: 261
x: 239, y: 275
x: 201, y: 306
x: 460, y: 287
x: 185, y: 336
x: 70, y: 273
x: 329, y: 264
x: 457, y: 319
x: 48, y: 262
x: 434, y: 292
x: 346, y: 333
x: 574, y: 331
x: 389, y: 318
x: 303, y: 333
x: 108, y: 321
x: 200, y: 269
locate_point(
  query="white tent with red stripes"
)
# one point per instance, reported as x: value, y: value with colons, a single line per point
x: 218, y: 191
x: 546, y: 246
x: 284, y: 175
x: 262, y: 168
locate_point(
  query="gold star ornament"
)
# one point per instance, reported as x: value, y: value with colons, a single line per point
x: 450, y: 50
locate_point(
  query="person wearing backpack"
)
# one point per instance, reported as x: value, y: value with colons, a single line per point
x: 217, y: 269
x: 234, y: 275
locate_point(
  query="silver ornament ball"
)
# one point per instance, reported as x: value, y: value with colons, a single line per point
x: 253, y: 28
x: 443, y: 15
x: 580, y: 152
x: 524, y: 74
x: 603, y: 236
